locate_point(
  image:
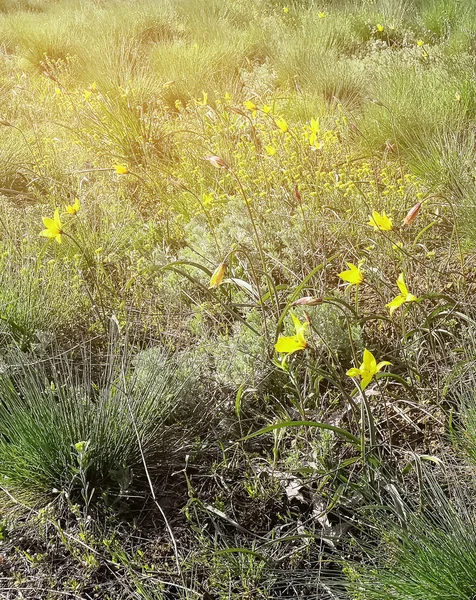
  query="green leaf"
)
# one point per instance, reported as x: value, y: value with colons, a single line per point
x: 339, y: 431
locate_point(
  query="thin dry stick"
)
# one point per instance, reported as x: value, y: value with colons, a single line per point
x: 149, y: 480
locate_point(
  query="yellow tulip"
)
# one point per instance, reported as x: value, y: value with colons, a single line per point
x: 121, y: 169
x: 74, y: 208
x: 368, y: 369
x: 250, y: 105
x: 204, y: 100
x: 354, y: 275
x: 271, y: 150
x: 315, y: 126
x: 282, y: 125
x: 380, y: 221
x: 315, y: 129
x: 403, y: 296
x: 217, y: 276
x: 293, y: 343
x: 54, y: 227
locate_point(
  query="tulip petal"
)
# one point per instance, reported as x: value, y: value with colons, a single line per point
x: 401, y: 285
x: 380, y: 221
x: 369, y: 362
x: 289, y: 344
x: 354, y: 275
x: 395, y: 303
x: 49, y: 223
x: 217, y: 276
x: 365, y: 381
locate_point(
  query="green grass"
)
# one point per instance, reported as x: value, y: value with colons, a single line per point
x: 428, y: 554
x: 121, y: 418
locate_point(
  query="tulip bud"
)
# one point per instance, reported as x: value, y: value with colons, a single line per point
x: 217, y: 276
x: 217, y: 162
x: 308, y: 301
x: 412, y: 214
x: 297, y: 195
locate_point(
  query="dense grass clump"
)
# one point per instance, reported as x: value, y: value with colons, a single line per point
x: 428, y: 554
x: 73, y: 439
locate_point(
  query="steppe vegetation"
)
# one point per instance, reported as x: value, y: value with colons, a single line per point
x: 237, y: 299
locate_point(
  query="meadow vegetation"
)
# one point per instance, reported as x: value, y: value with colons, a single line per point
x: 237, y: 315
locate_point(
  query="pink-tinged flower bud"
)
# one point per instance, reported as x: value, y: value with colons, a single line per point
x: 217, y: 162
x: 297, y: 195
x: 308, y: 301
x: 412, y: 214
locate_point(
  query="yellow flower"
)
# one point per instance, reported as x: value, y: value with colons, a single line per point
x: 207, y: 199
x: 315, y: 129
x: 281, y: 125
x: 250, y: 105
x: 322, y: 15
x: 292, y: 343
x: 380, y: 221
x: 380, y: 27
x: 420, y: 43
x: 271, y: 150
x: 403, y: 296
x: 354, y: 275
x: 286, y: 9
x: 315, y: 125
x: 204, y: 100
x: 266, y: 109
x: 54, y: 227
x: 217, y: 276
x: 368, y: 369
x: 74, y: 208
x: 121, y: 169
x: 87, y: 94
